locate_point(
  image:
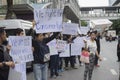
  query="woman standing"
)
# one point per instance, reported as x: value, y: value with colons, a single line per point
x: 92, y: 47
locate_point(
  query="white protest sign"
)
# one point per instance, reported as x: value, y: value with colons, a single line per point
x: 80, y: 40
x: 21, y: 48
x: 75, y: 49
x: 18, y: 73
x: 53, y: 47
x: 84, y: 30
x: 66, y: 53
x: 61, y: 45
x: 14, y: 75
x: 48, y: 20
x: 70, y: 28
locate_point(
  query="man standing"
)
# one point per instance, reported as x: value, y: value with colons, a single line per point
x: 98, y: 47
x: 5, y: 59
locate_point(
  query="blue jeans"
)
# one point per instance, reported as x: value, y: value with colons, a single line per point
x: 40, y: 71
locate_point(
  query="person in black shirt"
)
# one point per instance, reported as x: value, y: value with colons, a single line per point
x: 97, y: 39
x: 39, y: 44
x: 5, y: 59
x: 118, y: 52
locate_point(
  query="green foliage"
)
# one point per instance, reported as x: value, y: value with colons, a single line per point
x: 116, y: 25
x: 83, y: 23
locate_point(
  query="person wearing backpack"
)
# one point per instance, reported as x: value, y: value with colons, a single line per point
x: 5, y: 59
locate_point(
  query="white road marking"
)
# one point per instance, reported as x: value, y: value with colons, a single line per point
x: 113, y: 72
x: 104, y: 59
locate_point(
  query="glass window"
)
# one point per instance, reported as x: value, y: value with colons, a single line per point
x: 10, y: 32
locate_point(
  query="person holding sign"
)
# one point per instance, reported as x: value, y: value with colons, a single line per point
x: 19, y: 32
x: 54, y: 62
x: 5, y: 59
x: 41, y: 49
x: 40, y: 67
x: 70, y: 59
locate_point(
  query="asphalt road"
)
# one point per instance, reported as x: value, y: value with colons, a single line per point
x: 108, y: 70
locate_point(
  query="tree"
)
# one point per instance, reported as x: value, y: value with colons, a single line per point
x: 83, y: 23
x: 116, y: 25
x: 9, y: 13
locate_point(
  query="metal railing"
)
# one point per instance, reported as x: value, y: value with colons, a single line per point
x: 15, y: 2
x: 96, y: 16
x: 101, y: 15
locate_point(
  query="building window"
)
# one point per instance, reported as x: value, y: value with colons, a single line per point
x: 3, y: 2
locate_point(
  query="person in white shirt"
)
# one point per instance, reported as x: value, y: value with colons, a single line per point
x: 92, y: 48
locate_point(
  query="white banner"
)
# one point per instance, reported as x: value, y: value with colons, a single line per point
x: 61, y: 45
x: 48, y: 20
x: 80, y: 40
x: 53, y: 47
x: 66, y: 53
x: 70, y: 28
x: 75, y: 49
x: 21, y: 48
x: 18, y: 73
x: 84, y: 30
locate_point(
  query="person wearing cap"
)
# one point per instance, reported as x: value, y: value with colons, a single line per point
x: 5, y: 59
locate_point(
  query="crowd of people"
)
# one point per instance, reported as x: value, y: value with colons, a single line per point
x: 40, y: 49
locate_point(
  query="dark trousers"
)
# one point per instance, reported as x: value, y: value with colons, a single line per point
x: 60, y: 63
x: 70, y: 59
x: 118, y: 55
x: 96, y: 58
x: 89, y: 68
x: 54, y: 64
x: 79, y: 59
x: 4, y: 73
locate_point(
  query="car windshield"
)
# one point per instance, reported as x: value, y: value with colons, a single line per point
x: 10, y: 32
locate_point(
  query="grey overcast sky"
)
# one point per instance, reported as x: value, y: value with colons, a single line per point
x: 92, y: 3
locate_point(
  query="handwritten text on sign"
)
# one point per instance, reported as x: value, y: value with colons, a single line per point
x: 21, y: 48
x: 61, y: 45
x: 70, y: 28
x: 52, y: 45
x: 66, y: 53
x: 48, y: 20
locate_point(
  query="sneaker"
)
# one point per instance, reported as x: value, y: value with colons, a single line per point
x: 66, y: 68
x: 60, y: 70
x: 81, y: 64
x: 74, y: 67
